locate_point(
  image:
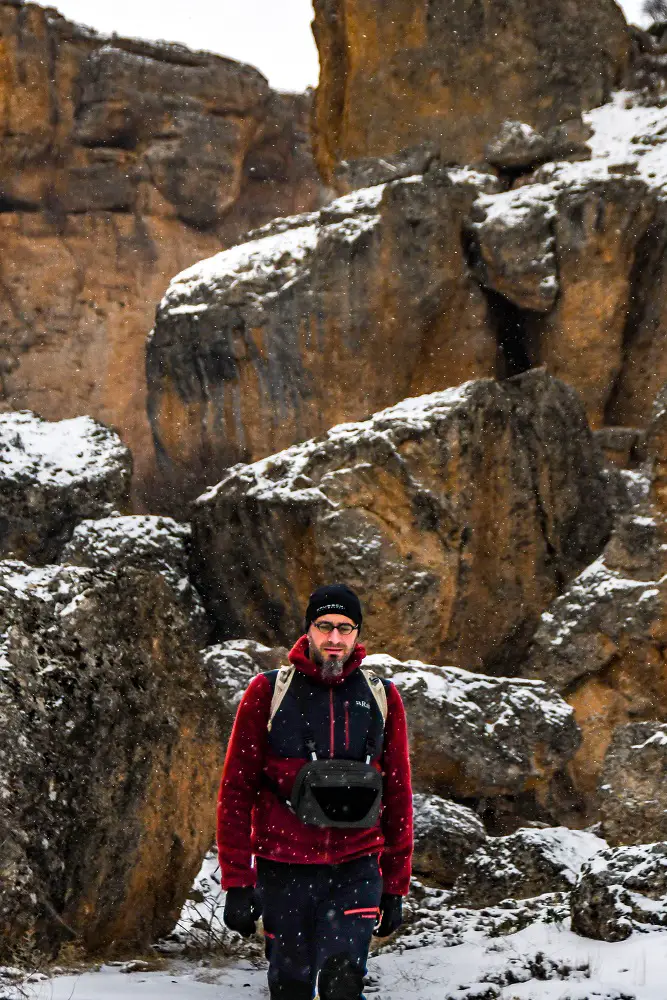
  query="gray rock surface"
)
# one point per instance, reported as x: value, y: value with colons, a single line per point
x: 231, y: 666
x: 445, y: 834
x: 156, y: 544
x: 620, y: 889
x: 52, y: 476
x: 527, y: 863
x: 476, y: 736
x: 108, y: 758
x: 518, y: 147
x: 633, y: 789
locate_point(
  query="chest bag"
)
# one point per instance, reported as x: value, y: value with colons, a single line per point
x: 330, y: 792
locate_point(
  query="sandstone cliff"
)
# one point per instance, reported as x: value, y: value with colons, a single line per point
x: 445, y: 76
x: 121, y: 163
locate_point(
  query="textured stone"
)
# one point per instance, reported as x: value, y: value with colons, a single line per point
x: 108, y: 763
x: 527, y: 863
x: 317, y: 319
x: 456, y: 516
x: 518, y: 147
x: 445, y: 834
x: 620, y: 889
x: 53, y: 475
x: 475, y: 736
x: 633, y: 797
x: 153, y: 544
x: 450, y: 74
x: 122, y: 163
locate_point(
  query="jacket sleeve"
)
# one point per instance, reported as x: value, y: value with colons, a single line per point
x: 396, y: 857
x: 240, y: 784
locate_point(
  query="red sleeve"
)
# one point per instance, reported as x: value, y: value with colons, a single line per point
x: 396, y: 857
x: 241, y: 776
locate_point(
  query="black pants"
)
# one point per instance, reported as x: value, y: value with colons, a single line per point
x: 314, y: 912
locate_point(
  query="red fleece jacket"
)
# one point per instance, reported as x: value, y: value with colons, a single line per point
x: 253, y: 821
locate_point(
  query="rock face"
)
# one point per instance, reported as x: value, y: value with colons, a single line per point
x: 600, y: 643
x: 456, y: 516
x: 445, y: 834
x: 619, y: 889
x: 254, y: 349
x: 108, y: 764
x: 448, y: 75
x: 633, y: 798
x: 477, y: 737
x: 528, y: 863
x: 121, y: 164
x: 53, y: 475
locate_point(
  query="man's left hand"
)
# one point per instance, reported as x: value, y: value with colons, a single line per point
x: 391, y: 915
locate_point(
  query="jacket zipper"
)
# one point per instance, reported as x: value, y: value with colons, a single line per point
x: 331, y: 723
x: 347, y: 725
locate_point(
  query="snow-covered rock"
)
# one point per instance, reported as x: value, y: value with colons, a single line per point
x: 153, y: 544
x: 52, y: 476
x: 108, y: 756
x: 231, y: 666
x: 456, y: 516
x: 445, y: 834
x: 633, y: 785
x: 620, y: 890
x: 530, y: 862
x: 478, y: 736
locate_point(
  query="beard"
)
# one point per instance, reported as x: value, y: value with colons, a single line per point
x: 331, y: 668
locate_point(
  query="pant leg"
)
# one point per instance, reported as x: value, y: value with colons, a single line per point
x: 345, y: 920
x: 288, y: 893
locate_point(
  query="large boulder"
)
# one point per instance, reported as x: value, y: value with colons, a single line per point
x: 53, y: 475
x: 445, y: 834
x: 122, y: 162
x: 255, y: 348
x: 601, y: 643
x: 456, y: 516
x: 476, y: 737
x: 150, y: 543
x: 449, y: 75
x: 633, y: 792
x: 527, y: 863
x: 620, y: 889
x: 108, y: 761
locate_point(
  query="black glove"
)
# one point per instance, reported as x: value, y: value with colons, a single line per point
x: 391, y: 915
x: 242, y: 909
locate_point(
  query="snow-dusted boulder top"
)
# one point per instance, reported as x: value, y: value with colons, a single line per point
x: 53, y: 475
x: 620, y: 890
x: 474, y: 736
x: 445, y: 834
x: 456, y: 516
x: 152, y: 543
x: 633, y: 785
x: 107, y: 756
x: 527, y: 863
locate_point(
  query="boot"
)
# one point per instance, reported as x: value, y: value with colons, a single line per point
x: 290, y: 989
x: 339, y: 980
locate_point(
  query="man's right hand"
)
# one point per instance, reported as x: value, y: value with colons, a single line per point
x: 242, y: 910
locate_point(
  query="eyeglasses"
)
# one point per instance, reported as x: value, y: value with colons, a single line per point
x: 327, y: 627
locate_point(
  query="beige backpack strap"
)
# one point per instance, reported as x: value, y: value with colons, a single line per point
x: 283, y: 681
x: 377, y: 690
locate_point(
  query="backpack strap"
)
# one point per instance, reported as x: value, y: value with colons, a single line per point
x: 377, y: 690
x: 283, y: 681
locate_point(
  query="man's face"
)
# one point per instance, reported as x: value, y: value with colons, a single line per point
x: 331, y: 650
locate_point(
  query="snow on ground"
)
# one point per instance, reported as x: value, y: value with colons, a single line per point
x: 541, y: 962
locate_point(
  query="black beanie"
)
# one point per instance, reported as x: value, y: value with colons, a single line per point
x: 333, y: 599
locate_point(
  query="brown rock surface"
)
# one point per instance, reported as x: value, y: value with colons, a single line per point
x: 633, y: 796
x: 108, y: 765
x: 449, y: 74
x: 456, y: 516
x: 318, y: 319
x: 121, y: 163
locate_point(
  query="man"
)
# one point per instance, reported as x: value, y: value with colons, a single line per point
x: 302, y: 766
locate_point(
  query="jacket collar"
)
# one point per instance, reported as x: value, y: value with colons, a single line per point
x: 299, y: 658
